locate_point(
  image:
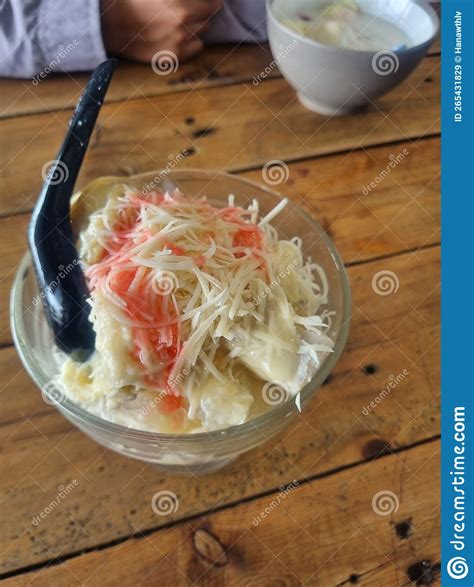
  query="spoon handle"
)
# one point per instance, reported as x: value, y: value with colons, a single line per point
x: 61, y: 280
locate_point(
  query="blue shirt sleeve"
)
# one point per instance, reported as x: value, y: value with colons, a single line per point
x: 239, y: 21
x: 38, y: 37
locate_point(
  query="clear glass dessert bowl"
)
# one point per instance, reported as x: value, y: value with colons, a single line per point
x: 200, y: 452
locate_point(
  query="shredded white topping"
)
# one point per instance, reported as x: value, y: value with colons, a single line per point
x: 200, y: 306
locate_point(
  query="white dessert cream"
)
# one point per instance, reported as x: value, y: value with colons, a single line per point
x: 341, y: 23
x: 199, y: 313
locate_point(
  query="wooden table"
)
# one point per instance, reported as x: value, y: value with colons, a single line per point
x: 346, y: 460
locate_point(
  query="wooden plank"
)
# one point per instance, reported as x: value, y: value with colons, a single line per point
x: 393, y: 338
x: 331, y: 531
x: 401, y: 213
x: 13, y: 248
x: 216, y: 66
x: 235, y: 127
x: 435, y: 47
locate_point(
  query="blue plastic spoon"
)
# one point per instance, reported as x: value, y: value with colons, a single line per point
x: 61, y: 280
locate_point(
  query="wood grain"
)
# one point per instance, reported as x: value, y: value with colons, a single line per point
x: 324, y: 532
x: 401, y: 213
x: 235, y: 127
x: 390, y: 335
x: 216, y: 66
x: 381, y: 400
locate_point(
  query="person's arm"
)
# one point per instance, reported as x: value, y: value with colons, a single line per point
x: 41, y: 36
x: 139, y: 29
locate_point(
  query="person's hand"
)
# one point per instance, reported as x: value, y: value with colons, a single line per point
x: 138, y: 29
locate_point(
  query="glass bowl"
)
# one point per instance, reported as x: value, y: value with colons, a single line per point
x: 200, y: 452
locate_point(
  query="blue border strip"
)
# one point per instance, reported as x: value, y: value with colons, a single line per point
x: 457, y: 316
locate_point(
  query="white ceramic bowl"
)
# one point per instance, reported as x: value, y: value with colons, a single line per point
x: 335, y: 81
